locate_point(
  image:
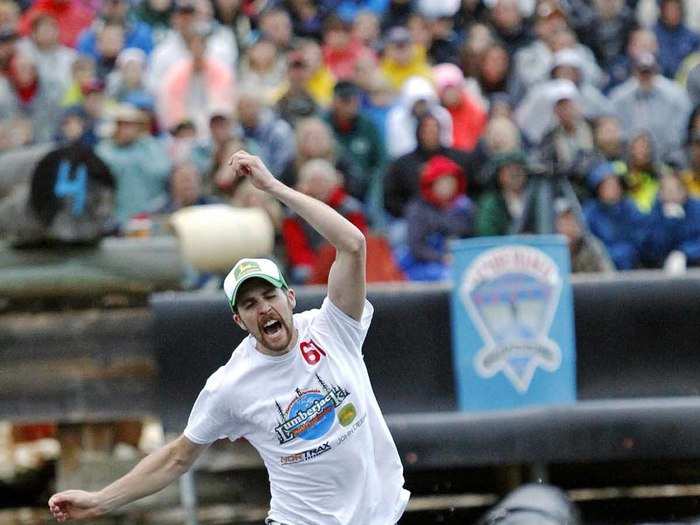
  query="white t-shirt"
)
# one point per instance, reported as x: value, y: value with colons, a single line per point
x: 312, y: 416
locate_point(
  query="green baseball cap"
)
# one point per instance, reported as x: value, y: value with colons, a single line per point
x: 248, y: 268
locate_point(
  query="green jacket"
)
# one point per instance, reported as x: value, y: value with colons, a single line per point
x: 363, y: 145
x: 492, y: 216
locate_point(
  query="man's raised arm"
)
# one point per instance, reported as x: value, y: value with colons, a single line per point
x: 151, y: 474
x: 346, y: 281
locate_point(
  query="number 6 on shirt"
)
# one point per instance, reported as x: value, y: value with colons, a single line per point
x: 311, y: 352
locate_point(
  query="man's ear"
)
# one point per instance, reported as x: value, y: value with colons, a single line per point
x: 292, y: 298
x: 237, y: 319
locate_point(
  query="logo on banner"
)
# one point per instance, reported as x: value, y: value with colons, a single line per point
x: 511, y: 294
x: 311, y: 413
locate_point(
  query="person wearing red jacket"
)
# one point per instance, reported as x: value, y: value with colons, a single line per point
x: 468, y: 114
x: 319, y: 179
x: 72, y: 17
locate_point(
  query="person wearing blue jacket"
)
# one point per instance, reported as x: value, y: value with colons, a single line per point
x: 674, y: 226
x: 614, y: 218
x: 676, y: 40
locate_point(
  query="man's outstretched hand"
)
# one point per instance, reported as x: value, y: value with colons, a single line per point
x: 246, y: 165
x: 74, y: 505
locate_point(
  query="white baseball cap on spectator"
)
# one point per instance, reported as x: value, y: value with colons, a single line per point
x: 131, y: 54
x: 562, y: 89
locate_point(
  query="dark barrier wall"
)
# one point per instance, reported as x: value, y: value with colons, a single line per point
x: 635, y: 337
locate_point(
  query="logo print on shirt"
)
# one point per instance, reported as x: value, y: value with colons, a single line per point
x: 311, y: 414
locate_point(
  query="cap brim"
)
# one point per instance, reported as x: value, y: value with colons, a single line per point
x: 277, y: 283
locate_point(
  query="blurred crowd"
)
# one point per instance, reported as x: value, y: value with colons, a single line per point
x: 421, y: 121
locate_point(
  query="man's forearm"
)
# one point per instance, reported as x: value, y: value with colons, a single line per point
x: 335, y: 228
x: 153, y: 473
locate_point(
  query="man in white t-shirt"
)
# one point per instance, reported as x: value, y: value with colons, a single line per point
x: 296, y: 388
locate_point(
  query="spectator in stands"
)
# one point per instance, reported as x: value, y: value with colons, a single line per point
x: 74, y: 127
x: 110, y: 42
x: 532, y: 63
x: 588, y: 254
x: 569, y: 146
x: 321, y: 81
x: 509, y: 25
x: 674, y: 225
x: 444, y: 42
x: 129, y: 76
x: 440, y: 212
x: 83, y: 73
x: 319, y: 179
x: 9, y: 15
x: 8, y: 49
x: 276, y: 26
x: 402, y: 181
x: 380, y: 99
x: 650, y: 102
x: 184, y: 189
x: 676, y: 40
x: 613, y: 218
x: 468, y: 115
x: 72, y: 18
x: 500, y: 136
x: 307, y: 18
x: 691, y: 175
x: 366, y: 28
x: 478, y: 39
x: 139, y: 163
x: 361, y: 142
x: 195, y: 88
x: 416, y: 100
x: 23, y: 93
x: 504, y: 203
x: 136, y: 33
x: 315, y: 140
x: 207, y: 154
x: 239, y: 17
x: 535, y: 113
x: 274, y: 137
x: 156, y: 14
x: 188, y: 18
x: 493, y: 71
x: 607, y: 136
x: 643, y: 171
x: 640, y: 41
x: 53, y: 59
x: 401, y: 59
x: 296, y: 101
x: 606, y: 33
x: 262, y: 68
x: 340, y: 50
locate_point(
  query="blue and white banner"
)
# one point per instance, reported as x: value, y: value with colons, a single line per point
x: 512, y: 322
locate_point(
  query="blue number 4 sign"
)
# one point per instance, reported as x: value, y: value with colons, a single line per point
x: 75, y: 186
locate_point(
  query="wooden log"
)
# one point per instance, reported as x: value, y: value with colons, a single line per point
x: 77, y: 366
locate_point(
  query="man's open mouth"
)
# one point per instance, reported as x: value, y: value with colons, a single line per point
x: 272, y: 327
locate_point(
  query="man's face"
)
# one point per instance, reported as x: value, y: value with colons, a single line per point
x: 671, y: 13
x: 506, y: 15
x: 127, y: 132
x: 346, y: 107
x: 429, y: 134
x: 400, y: 52
x: 610, y: 190
x: 566, y: 112
x: 46, y: 32
x: 266, y: 312
x: 567, y: 225
x: 185, y: 185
